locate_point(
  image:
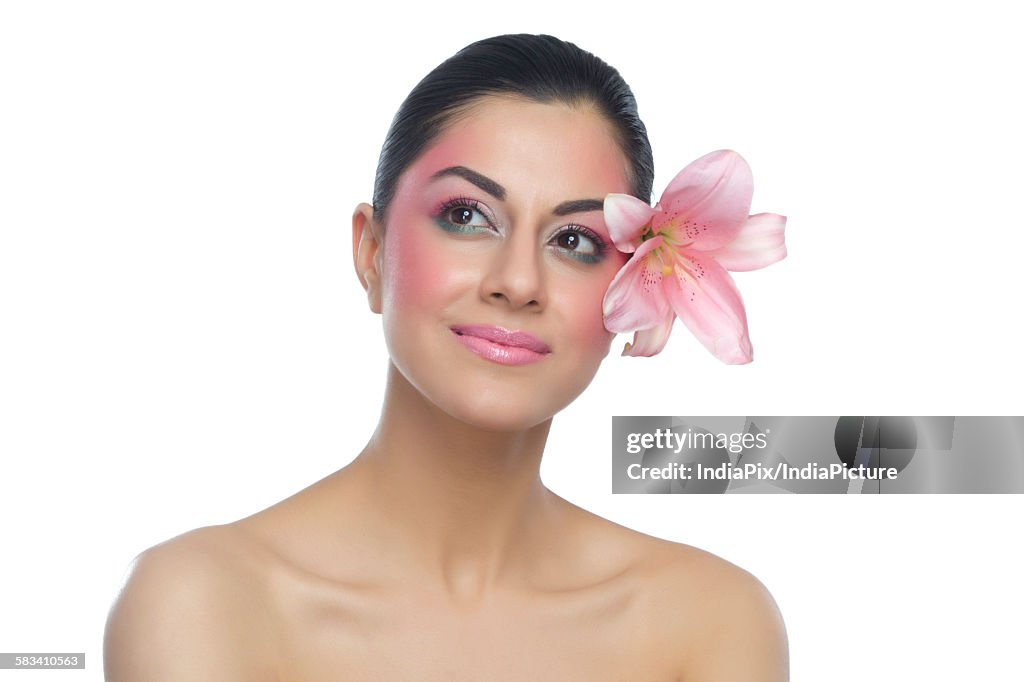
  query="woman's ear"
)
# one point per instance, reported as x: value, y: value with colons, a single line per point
x: 366, y: 242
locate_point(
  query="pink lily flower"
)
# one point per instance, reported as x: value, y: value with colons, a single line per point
x: 682, y: 249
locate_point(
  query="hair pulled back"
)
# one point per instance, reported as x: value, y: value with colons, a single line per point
x: 539, y: 67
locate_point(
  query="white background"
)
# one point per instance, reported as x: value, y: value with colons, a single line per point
x: 183, y: 341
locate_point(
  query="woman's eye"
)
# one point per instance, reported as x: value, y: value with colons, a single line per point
x: 580, y: 245
x: 463, y: 218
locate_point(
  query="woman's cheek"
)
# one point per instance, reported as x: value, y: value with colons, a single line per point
x: 413, y: 267
x: 598, y: 337
x: 595, y: 332
x: 587, y: 321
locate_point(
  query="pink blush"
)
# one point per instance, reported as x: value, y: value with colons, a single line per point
x: 417, y: 267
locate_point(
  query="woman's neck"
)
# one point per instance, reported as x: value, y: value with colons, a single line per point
x: 466, y: 504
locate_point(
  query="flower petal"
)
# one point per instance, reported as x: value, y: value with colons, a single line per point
x: 626, y: 216
x: 648, y: 342
x: 636, y: 298
x: 708, y: 201
x: 760, y: 242
x: 705, y: 298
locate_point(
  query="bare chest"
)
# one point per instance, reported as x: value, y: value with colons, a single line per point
x: 369, y: 634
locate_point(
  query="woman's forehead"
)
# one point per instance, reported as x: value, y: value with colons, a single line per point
x: 530, y: 148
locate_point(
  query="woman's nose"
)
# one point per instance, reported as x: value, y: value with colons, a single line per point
x: 515, y: 274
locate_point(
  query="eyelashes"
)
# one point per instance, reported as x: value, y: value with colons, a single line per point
x: 462, y: 215
x: 457, y: 209
x: 581, y: 243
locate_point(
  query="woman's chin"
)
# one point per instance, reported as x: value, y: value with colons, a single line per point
x: 497, y: 413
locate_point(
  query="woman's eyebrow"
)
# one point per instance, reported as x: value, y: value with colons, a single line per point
x: 498, y: 192
x: 579, y: 206
x: 481, y: 181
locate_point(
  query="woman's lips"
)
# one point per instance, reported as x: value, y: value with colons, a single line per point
x: 501, y: 345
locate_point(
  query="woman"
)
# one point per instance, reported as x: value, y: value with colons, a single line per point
x: 438, y: 553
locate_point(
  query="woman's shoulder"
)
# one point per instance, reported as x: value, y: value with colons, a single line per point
x: 203, y: 558
x: 653, y: 556
x: 719, y: 617
x: 190, y: 607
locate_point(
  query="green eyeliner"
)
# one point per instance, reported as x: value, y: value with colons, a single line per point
x: 451, y: 227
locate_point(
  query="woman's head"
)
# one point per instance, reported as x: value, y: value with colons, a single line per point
x: 493, y: 265
x: 541, y: 68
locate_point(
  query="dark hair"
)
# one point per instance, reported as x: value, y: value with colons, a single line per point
x: 539, y: 67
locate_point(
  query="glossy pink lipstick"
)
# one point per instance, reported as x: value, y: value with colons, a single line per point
x: 501, y: 345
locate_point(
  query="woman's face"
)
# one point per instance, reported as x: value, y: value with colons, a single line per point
x: 496, y: 259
